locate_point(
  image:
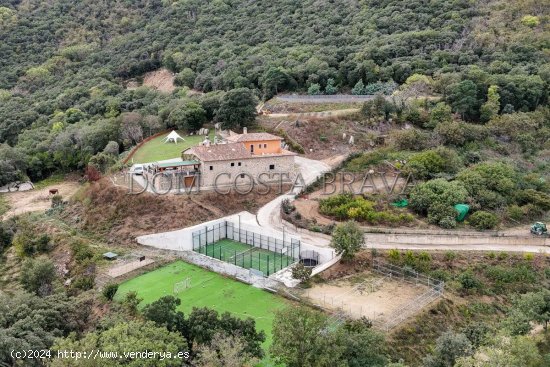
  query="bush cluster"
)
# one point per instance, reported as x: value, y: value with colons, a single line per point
x: 347, y: 206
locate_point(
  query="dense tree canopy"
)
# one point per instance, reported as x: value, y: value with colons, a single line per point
x: 63, y: 73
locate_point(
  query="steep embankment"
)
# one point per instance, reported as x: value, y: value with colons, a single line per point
x: 110, y: 212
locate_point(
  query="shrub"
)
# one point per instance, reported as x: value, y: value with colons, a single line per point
x: 501, y: 274
x: 37, y: 276
x: 347, y: 239
x: 468, y: 280
x: 394, y: 256
x: 411, y: 139
x: 301, y: 272
x: 515, y: 213
x: 452, y: 132
x: 314, y: 89
x: 57, y: 201
x: 28, y: 243
x: 81, y: 251
x: 489, y: 184
x: 483, y: 220
x: 287, y: 206
x: 436, y: 199
x: 450, y: 256
x: 446, y: 222
x: 440, y: 113
x: 131, y: 302
x: 434, y: 162
x: 109, y: 291
x: 6, y: 236
x: 346, y: 206
x: 84, y: 282
x: 440, y: 274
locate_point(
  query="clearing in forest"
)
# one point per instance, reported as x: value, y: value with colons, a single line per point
x: 157, y: 150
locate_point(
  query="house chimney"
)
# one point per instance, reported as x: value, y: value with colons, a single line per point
x: 245, y: 130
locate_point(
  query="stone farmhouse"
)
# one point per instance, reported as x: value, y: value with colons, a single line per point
x: 240, y: 158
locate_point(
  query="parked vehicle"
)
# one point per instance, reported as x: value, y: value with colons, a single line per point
x: 137, y: 169
x: 539, y: 229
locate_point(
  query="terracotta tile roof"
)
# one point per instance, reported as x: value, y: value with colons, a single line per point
x: 219, y: 152
x: 228, y: 152
x: 241, y: 138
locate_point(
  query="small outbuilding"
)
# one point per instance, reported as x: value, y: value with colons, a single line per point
x: 110, y: 255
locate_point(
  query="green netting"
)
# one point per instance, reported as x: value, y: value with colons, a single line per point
x: 400, y: 203
x: 462, y: 210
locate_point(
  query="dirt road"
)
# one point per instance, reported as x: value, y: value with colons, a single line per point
x: 321, y: 114
x: 37, y: 200
x: 336, y: 98
x: 269, y: 217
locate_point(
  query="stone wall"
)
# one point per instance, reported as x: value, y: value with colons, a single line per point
x: 228, y: 269
x: 254, y: 167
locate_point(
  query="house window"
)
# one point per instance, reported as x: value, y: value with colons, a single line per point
x: 211, y: 168
x: 232, y: 164
x: 265, y: 145
x: 260, y: 146
x: 239, y: 164
x: 242, y: 175
x: 271, y: 166
x: 251, y: 148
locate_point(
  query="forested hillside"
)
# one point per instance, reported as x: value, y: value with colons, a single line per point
x: 63, y: 64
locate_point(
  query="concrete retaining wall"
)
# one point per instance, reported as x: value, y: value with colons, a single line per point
x: 182, y: 239
x: 325, y: 266
x: 231, y: 270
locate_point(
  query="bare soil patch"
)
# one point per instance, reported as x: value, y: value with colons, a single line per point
x: 110, y: 211
x: 123, y: 268
x: 161, y: 80
x: 37, y: 200
x: 365, y: 295
x: 277, y: 106
x: 323, y: 138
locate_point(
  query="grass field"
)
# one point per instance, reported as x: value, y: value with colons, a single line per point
x: 207, y: 289
x: 157, y: 150
x: 254, y: 258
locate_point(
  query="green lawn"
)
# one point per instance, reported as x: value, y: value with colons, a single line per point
x: 207, y: 289
x: 246, y: 256
x: 157, y: 150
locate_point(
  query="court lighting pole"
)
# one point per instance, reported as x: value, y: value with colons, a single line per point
x: 239, y: 227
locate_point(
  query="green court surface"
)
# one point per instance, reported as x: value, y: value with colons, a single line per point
x: 157, y: 150
x: 246, y: 256
x: 206, y: 289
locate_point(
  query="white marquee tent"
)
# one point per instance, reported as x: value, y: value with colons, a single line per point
x: 173, y: 137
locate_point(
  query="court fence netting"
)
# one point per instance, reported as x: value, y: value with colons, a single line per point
x: 245, y: 248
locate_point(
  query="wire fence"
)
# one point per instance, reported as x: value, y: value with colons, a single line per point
x: 436, y: 288
x: 405, y: 274
x: 246, y: 249
x: 352, y: 303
